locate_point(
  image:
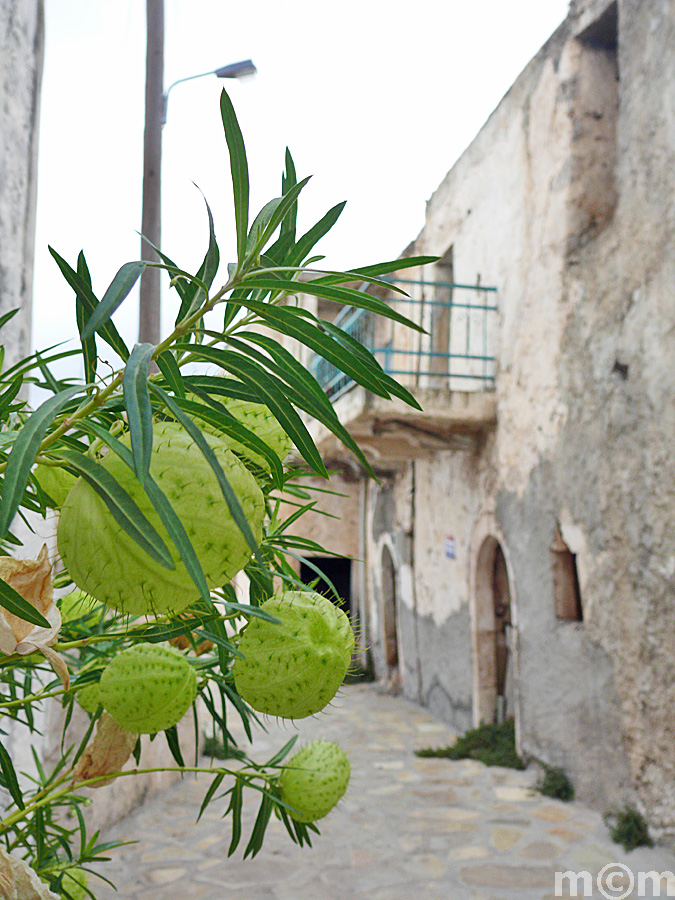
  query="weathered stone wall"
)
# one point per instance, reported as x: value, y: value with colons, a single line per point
x: 21, y: 55
x: 565, y: 202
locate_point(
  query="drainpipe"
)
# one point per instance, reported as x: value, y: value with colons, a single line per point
x: 364, y: 617
x: 414, y: 581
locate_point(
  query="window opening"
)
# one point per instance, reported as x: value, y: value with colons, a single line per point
x: 565, y: 581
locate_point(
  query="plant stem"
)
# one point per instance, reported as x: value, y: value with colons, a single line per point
x: 47, y: 798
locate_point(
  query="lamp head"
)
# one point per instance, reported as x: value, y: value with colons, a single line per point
x: 237, y: 70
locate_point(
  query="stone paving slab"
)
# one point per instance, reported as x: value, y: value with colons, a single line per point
x: 408, y: 828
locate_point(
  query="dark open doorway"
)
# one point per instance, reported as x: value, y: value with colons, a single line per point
x: 337, y: 570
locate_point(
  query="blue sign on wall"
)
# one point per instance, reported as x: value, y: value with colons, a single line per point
x: 450, y: 547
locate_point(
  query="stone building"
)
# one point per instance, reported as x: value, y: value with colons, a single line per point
x: 517, y: 552
x: 21, y: 57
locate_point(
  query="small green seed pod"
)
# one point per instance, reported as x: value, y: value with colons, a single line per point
x: 314, y: 780
x: 147, y: 688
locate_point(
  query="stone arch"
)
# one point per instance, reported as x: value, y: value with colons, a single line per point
x: 389, y: 608
x: 493, y: 623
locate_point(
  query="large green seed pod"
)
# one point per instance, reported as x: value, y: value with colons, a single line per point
x: 294, y: 669
x: 258, y: 419
x: 147, y: 688
x: 88, y: 698
x: 314, y: 780
x: 56, y: 482
x: 105, y: 562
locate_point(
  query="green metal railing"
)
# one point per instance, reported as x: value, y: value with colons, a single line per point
x: 456, y: 352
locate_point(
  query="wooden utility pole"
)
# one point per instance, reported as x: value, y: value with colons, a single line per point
x: 150, y: 307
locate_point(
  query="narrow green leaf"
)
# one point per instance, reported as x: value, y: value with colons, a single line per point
x: 208, y: 796
x: 286, y: 819
x: 254, y: 242
x: 394, y: 265
x: 288, y: 321
x: 315, y: 233
x: 166, y: 513
x: 50, y: 381
x: 224, y: 387
x: 4, y: 319
x: 14, y: 603
x: 174, y: 745
x: 318, y: 288
x: 178, y: 535
x: 359, y: 352
x: 288, y: 181
x: 224, y: 421
x: 285, y: 750
x: 139, y: 410
x: 82, y: 313
x: 308, y: 393
x: 89, y: 300
x: 119, y: 289
x: 272, y: 392
x: 171, y: 371
x: 7, y: 396
x: 22, y: 454
x: 236, y: 804
x: 231, y: 498
x: 11, y: 781
x: 192, y: 296
x: 271, y: 217
x: 239, y: 168
x: 260, y: 826
x: 358, y: 358
x: 121, y: 506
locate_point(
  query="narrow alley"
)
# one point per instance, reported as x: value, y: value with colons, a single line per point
x: 409, y: 828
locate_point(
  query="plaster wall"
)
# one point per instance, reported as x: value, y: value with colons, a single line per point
x: 565, y: 202
x: 21, y: 56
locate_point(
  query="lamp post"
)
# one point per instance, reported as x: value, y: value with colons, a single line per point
x: 156, y: 103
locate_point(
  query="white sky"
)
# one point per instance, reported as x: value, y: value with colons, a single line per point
x: 375, y: 99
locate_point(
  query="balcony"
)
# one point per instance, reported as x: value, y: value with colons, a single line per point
x: 450, y: 370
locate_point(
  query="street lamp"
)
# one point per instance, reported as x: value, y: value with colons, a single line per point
x: 242, y: 69
x: 156, y: 104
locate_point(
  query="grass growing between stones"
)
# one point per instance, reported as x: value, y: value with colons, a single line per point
x: 555, y: 783
x: 628, y: 828
x: 493, y: 745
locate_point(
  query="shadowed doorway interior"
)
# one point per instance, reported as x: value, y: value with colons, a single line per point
x: 334, y: 569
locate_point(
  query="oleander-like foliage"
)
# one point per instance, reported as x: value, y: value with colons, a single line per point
x: 170, y: 470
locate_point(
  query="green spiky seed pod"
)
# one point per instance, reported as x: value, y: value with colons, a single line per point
x: 78, y: 606
x: 108, y: 564
x: 147, y: 688
x: 294, y: 669
x: 56, y: 482
x: 258, y: 419
x: 88, y: 698
x: 314, y: 780
x: 74, y: 882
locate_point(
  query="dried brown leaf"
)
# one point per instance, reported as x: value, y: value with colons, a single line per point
x: 107, y: 753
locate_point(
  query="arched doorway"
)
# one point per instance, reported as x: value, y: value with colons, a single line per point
x: 389, y: 612
x: 493, y: 669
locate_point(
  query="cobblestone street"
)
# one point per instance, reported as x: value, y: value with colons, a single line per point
x: 407, y: 828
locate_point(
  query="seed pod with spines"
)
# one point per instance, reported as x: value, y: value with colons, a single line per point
x: 314, y: 780
x: 294, y: 668
x: 147, y: 688
x: 107, y: 563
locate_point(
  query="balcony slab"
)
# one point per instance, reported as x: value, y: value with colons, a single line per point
x: 391, y: 433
